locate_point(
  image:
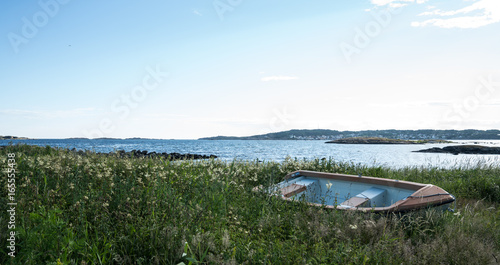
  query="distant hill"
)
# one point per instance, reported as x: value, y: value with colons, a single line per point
x: 13, y: 138
x: 378, y: 140
x: 322, y: 134
x: 110, y: 138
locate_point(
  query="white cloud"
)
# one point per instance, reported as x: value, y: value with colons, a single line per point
x: 478, y: 14
x: 196, y: 12
x: 396, y: 3
x: 278, y: 78
x: 489, y: 13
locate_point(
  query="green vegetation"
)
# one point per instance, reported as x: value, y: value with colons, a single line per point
x: 94, y: 209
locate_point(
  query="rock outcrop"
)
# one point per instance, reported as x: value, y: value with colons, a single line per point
x: 136, y: 153
x: 169, y: 156
x: 463, y: 149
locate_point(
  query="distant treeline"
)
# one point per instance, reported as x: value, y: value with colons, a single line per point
x: 8, y: 137
x: 322, y: 134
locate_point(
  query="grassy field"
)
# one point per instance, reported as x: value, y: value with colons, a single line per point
x: 96, y: 209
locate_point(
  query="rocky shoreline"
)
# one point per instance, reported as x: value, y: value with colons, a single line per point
x: 463, y: 149
x: 146, y: 154
x: 168, y: 156
x: 139, y: 154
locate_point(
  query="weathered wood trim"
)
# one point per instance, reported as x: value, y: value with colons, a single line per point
x: 408, y: 185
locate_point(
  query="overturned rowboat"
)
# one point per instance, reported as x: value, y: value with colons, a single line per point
x: 361, y: 193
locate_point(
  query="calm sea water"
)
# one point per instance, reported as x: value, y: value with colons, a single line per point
x: 394, y: 156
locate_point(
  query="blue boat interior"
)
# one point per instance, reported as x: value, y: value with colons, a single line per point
x: 341, y: 193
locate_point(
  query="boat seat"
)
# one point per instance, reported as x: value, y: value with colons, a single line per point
x: 291, y: 190
x: 366, y: 197
x: 297, y: 187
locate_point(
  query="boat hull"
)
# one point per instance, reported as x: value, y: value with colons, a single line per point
x: 360, y: 193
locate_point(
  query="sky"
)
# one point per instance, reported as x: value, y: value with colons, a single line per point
x: 169, y: 69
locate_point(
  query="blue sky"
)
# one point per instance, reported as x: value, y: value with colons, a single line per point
x: 190, y: 69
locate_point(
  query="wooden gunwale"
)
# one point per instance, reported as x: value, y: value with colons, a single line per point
x: 408, y: 185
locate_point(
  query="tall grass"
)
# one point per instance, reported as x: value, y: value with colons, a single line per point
x: 96, y: 209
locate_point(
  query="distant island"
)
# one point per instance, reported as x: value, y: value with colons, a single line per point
x: 110, y: 138
x: 322, y: 134
x: 380, y: 140
x: 13, y: 138
x: 463, y: 149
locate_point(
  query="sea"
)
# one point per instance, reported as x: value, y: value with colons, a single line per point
x: 393, y: 156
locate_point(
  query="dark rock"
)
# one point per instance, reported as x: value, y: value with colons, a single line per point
x: 464, y: 149
x: 138, y: 154
x: 168, y: 156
